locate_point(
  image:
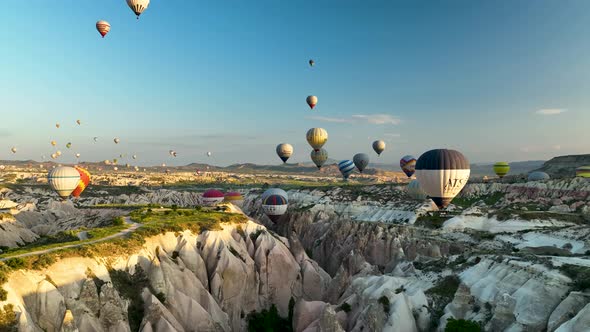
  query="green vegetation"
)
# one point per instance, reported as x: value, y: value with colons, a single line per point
x: 384, y: 300
x: 8, y: 322
x: 130, y: 287
x: 580, y: 276
x: 345, y: 307
x: 268, y: 321
x: 433, y: 220
x: 506, y: 214
x: 462, y: 325
x: 118, y: 221
x: 441, y: 295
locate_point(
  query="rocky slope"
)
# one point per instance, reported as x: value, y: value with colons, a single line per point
x: 565, y: 166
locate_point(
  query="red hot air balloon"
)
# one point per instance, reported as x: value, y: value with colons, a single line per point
x: 84, y: 181
x: 103, y: 28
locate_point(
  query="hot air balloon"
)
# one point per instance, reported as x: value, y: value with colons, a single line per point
x: 311, y: 62
x: 138, y: 6
x: 272, y: 191
x: 136, y: 168
x: 317, y: 137
x: 538, y: 176
x: 127, y: 165
x: 83, y: 183
x: 234, y: 197
x: 583, y: 171
x: 78, y: 122
x: 408, y: 165
x: 311, y: 101
x: 501, y: 168
x: 107, y: 162
x: 115, y: 168
x: 58, y: 153
x: 284, y: 151
x: 116, y: 140
x: 121, y: 156
x: 275, y: 204
x: 319, y: 157
x: 115, y: 161
x: 209, y: 154
x: 212, y: 197
x: 164, y: 165
x: 57, y: 125
x: 103, y: 28
x: 414, y: 191
x: 63, y: 180
x: 346, y: 167
x: 134, y: 156
x: 69, y: 145
x: 53, y: 155
x: 77, y: 155
x: 379, y: 146
x: 95, y: 139
x: 442, y: 174
x: 361, y: 160
x: 14, y: 149
x: 54, y: 143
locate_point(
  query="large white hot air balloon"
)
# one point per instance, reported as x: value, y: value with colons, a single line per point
x: 284, y: 150
x: 138, y: 6
x: 442, y: 174
x: 63, y: 180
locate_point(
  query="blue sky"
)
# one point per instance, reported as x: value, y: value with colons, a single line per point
x: 498, y: 80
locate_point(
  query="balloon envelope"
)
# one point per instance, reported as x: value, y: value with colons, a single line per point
x: 311, y: 101
x: 501, y: 168
x: 311, y: 62
x: 63, y: 180
x: 103, y: 28
x: 442, y: 174
x: 275, y: 203
x: 319, y: 157
x: 116, y: 140
x: 234, y: 197
x: 583, y: 171
x: 408, y: 165
x: 317, y: 137
x: 346, y: 167
x: 284, y: 151
x: 379, y: 146
x: 138, y: 6
x: 83, y: 183
x: 414, y: 191
x: 538, y: 176
x: 212, y: 197
x: 361, y: 160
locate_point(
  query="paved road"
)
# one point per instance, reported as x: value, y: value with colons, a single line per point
x: 124, y: 232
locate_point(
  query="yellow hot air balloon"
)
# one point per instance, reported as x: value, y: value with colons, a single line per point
x: 583, y: 171
x: 54, y: 143
x: 501, y: 168
x: 13, y: 149
x: 319, y: 157
x: 317, y: 137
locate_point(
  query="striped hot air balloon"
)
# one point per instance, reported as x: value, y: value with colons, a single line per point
x: 379, y: 146
x: 346, y: 167
x: 234, y: 197
x: 408, y: 165
x: 63, y: 180
x: 317, y: 137
x: 212, y: 197
x: 361, y: 160
x: 275, y: 204
x: 83, y: 183
x: 284, y: 151
x: 583, y: 171
x: 138, y: 6
x: 442, y: 174
x: 103, y: 28
x: 501, y: 168
x: 319, y: 157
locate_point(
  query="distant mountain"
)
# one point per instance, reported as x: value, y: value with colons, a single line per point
x: 516, y: 167
x: 565, y: 166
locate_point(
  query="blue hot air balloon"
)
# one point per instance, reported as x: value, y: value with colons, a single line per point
x: 346, y: 167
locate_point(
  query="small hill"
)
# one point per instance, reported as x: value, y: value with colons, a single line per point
x: 565, y: 166
x: 516, y: 168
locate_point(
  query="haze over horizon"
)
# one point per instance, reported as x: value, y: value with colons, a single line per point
x: 498, y: 81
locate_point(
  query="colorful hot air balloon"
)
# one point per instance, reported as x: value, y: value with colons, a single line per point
x: 361, y: 160
x: 414, y: 191
x: 83, y: 183
x: 317, y: 137
x: 69, y: 145
x: 13, y: 149
x: 583, y: 171
x: 408, y: 165
x: 54, y: 143
x: 103, y: 28
x: 138, y: 6
x: 501, y: 168
x: 538, y: 176
x: 284, y: 151
x: 116, y: 140
x: 442, y: 174
x: 212, y: 197
x: 272, y: 191
x: 275, y: 204
x: 311, y: 101
x: 319, y: 157
x: 379, y: 146
x: 234, y: 197
x: 63, y: 180
x: 346, y: 167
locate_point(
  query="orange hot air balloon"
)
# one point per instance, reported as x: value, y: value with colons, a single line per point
x: 84, y: 181
x: 103, y: 28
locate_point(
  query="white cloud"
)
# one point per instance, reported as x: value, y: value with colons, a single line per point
x: 376, y: 119
x: 551, y: 111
